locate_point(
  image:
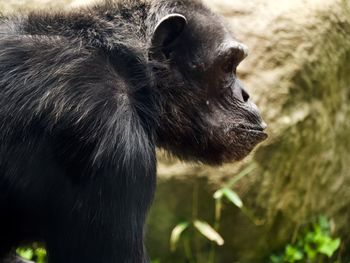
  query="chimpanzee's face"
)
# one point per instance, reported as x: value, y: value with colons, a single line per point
x: 207, y: 114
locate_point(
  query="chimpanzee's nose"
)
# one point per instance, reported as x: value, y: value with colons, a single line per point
x: 245, y: 94
x: 240, y: 92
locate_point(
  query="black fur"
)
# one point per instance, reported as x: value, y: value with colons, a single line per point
x: 85, y: 97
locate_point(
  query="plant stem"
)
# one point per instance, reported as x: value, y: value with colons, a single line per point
x: 248, y: 213
x: 195, y: 202
x: 187, y: 248
x: 242, y: 174
x: 194, y: 218
x: 218, y: 206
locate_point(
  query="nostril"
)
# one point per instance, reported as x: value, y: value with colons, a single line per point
x: 245, y: 95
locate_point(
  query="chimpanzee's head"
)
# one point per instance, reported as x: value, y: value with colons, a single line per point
x: 205, y: 112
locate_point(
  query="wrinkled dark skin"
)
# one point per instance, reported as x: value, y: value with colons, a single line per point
x: 85, y: 98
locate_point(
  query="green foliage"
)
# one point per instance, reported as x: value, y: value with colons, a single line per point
x: 187, y: 231
x: 176, y: 233
x: 201, y: 226
x: 313, y: 244
x: 35, y: 253
x: 229, y: 195
x: 208, y: 231
x: 26, y: 253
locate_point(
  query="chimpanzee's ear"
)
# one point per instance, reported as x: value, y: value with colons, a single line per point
x: 165, y: 33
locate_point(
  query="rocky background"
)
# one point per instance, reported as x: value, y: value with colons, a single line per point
x: 298, y: 71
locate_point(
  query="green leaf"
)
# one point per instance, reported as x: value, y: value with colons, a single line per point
x: 324, y: 224
x: 293, y: 254
x: 328, y: 248
x: 26, y: 253
x: 311, y: 250
x: 232, y: 197
x: 277, y: 258
x: 176, y: 233
x: 206, y: 230
x: 218, y: 194
x: 40, y: 254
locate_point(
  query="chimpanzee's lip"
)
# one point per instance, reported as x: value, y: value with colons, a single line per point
x: 256, y: 131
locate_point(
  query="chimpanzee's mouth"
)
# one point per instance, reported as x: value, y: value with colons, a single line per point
x: 257, y: 131
x: 254, y: 128
x: 249, y: 127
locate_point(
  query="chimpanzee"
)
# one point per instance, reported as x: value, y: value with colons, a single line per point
x: 87, y: 95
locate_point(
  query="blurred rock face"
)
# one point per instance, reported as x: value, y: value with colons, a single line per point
x: 298, y: 71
